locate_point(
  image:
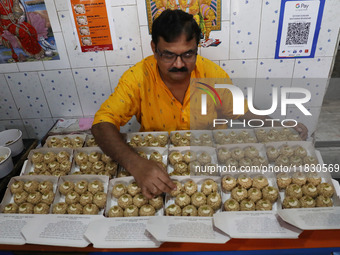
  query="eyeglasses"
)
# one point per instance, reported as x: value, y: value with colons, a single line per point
x: 186, y: 57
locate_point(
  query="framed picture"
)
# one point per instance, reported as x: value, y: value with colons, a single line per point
x: 207, y: 13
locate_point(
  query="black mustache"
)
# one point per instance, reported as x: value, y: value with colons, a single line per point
x: 175, y: 70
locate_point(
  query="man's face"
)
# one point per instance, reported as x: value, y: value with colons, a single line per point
x: 179, y: 68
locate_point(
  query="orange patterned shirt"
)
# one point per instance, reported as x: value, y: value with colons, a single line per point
x: 142, y: 92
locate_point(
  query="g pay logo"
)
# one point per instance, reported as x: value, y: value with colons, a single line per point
x: 297, y: 6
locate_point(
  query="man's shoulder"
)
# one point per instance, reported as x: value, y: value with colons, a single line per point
x: 209, y: 68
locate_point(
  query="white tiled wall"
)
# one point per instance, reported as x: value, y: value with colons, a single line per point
x: 34, y: 95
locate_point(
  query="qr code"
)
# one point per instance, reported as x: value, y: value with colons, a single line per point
x: 297, y: 33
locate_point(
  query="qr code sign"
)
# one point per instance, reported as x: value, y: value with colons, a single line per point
x: 297, y: 33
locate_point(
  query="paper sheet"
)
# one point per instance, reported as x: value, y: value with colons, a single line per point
x: 185, y: 229
x: 59, y: 230
x: 11, y: 226
x: 312, y: 218
x: 121, y: 233
x: 254, y: 225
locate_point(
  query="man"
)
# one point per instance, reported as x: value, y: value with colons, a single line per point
x: 156, y: 90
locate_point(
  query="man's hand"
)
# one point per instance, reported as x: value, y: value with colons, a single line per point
x: 152, y: 178
x: 302, y: 130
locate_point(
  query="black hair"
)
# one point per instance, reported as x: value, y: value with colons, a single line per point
x: 171, y: 24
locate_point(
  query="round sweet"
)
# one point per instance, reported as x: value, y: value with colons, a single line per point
x: 81, y: 186
x: 156, y: 202
x: 307, y: 202
x: 65, y: 166
x: 286, y: 151
x: 131, y: 211
x: 95, y: 156
x: 251, y: 152
x: 136, y: 139
x: 133, y: 189
x: 81, y: 158
x: 184, y: 142
x: 173, y: 210
x: 175, y: 157
x: 85, y: 166
x: 178, y: 189
x: 231, y: 205
x: 209, y: 186
x: 295, y: 160
x: 116, y: 211
x: 198, y: 199
x: 72, y: 197
x: 10, y: 208
x: 310, y: 160
x: 124, y: 201
x: 63, y: 156
x: 245, y: 162
x: 40, y: 167
x: 214, y: 200
x: 204, y: 158
x: 245, y: 181
x: 223, y: 155
x: 189, y: 157
x: 254, y: 194
x: 282, y: 160
x: 50, y: 157
x: 322, y: 201
x: 90, y: 209
x: 226, y: 140
x: 106, y: 159
x: 283, y: 180
x: 228, y: 182
x: 205, y: 211
x: 111, y: 167
x: 95, y: 186
x: 313, y: 178
x: 74, y: 209
x: 34, y: 197
x: 59, y: 208
x: 239, y: 193
x: 17, y: 187
x: 25, y: 208
x: 325, y: 189
x: 299, y: 178
x: 139, y: 200
x: 218, y: 136
x: 259, y: 161
x: 233, y: 163
x: 270, y: 193
x: 291, y: 202
x: 247, y: 205
x: 47, y: 197
x: 53, y: 166
x: 194, y: 167
x: 156, y: 156
x: 180, y: 167
x: 31, y: 186
x: 250, y: 139
x: 86, y: 198
x: 260, y: 182
x: 310, y: 190
x: 45, y: 186
x: 182, y: 199
x: 189, y: 210
x: 20, y: 198
x: 66, y: 187
x: 294, y: 190
x: 118, y: 190
x: 300, y: 152
x: 190, y: 187
x: 147, y: 210
x: 98, y: 166
x: 237, y: 154
x: 41, y: 208
x: 162, y: 139
x: 263, y: 205
x: 123, y: 173
x: 37, y: 157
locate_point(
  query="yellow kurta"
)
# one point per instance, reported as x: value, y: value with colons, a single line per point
x: 142, y: 92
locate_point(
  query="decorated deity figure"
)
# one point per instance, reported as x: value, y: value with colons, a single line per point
x: 13, y: 24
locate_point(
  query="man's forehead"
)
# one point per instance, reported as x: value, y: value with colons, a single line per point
x: 178, y: 42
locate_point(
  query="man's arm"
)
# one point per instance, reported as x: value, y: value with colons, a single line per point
x: 150, y: 176
x: 300, y: 128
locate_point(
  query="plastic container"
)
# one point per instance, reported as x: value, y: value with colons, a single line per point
x: 12, y: 138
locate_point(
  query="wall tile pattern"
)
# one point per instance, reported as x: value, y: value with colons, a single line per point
x: 34, y: 95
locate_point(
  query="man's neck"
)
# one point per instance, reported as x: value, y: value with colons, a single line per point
x: 177, y: 88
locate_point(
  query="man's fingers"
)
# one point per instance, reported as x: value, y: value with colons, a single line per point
x: 147, y: 193
x: 168, y: 183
